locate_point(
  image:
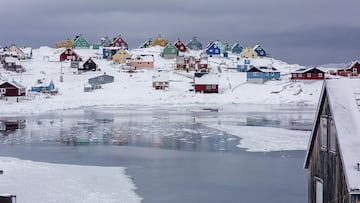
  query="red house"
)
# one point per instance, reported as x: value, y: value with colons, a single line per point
x: 308, y: 74
x: 119, y: 42
x: 353, y: 70
x: 12, y: 90
x: 69, y: 54
x: 206, y: 83
x: 180, y: 46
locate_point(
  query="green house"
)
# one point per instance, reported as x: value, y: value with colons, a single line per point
x: 221, y: 46
x: 81, y: 42
x: 236, y: 48
x: 170, y: 51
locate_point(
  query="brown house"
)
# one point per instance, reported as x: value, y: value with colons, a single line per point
x: 12, y: 90
x: 333, y: 155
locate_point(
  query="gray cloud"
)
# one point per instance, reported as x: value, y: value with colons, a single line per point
x: 305, y: 32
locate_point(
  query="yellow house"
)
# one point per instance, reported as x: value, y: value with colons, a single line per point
x: 160, y: 42
x: 248, y: 52
x: 121, y: 56
x: 66, y: 44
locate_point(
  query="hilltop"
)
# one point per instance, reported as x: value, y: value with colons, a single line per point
x: 136, y: 88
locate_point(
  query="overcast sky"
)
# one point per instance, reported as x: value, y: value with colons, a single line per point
x: 307, y: 32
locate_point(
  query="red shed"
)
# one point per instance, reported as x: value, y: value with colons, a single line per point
x: 12, y: 89
x: 206, y: 83
x: 308, y: 74
x: 69, y: 54
x: 353, y: 70
x: 119, y: 42
x: 180, y: 46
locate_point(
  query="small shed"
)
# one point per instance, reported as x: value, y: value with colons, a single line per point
x: 13, y: 64
x: 194, y: 44
x: 170, y: 51
x: 12, y: 90
x: 262, y: 74
x: 89, y: 65
x: 180, y: 46
x: 308, y: 74
x: 118, y: 41
x: 121, y: 56
x: 70, y: 55
x: 206, y: 83
x: 142, y: 61
x: 160, y: 81
x: 102, y: 79
x: 260, y: 51
x: 236, y: 48
x: 81, y: 42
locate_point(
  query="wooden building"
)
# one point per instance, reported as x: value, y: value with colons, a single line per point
x: 102, y: 79
x: 119, y: 42
x: 308, y: 74
x: 213, y: 50
x: 65, y: 44
x: 194, y: 44
x: 160, y: 81
x: 121, y: 56
x: 190, y: 63
x: 142, y: 61
x: 244, y: 65
x: 13, y: 64
x: 206, y: 83
x: 89, y: 65
x: 12, y: 90
x: 20, y: 54
x: 105, y: 41
x: 81, y: 42
x: 333, y: 154
x: 180, y: 46
x: 170, y: 51
x: 160, y: 41
x: 262, y: 74
x: 259, y: 51
x: 146, y: 44
x: 352, y: 71
x: 236, y: 48
x: 248, y: 52
x: 70, y: 55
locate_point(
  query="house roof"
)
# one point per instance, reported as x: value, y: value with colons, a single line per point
x: 15, y: 84
x: 142, y: 57
x: 344, y: 101
x: 207, y: 79
x: 10, y: 59
x: 305, y: 70
x: 263, y: 69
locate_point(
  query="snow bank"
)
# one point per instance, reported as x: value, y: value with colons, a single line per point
x: 34, y: 182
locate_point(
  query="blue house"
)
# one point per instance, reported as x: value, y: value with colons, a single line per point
x: 236, y: 48
x: 244, y: 66
x: 108, y: 52
x: 44, y: 89
x: 194, y: 44
x: 260, y: 51
x: 262, y: 74
x: 212, y: 49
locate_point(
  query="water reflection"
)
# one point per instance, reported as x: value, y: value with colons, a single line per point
x: 156, y: 128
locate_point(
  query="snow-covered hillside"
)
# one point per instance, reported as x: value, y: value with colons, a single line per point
x: 136, y: 88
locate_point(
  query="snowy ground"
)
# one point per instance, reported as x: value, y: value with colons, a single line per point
x: 135, y: 89
x: 34, y: 182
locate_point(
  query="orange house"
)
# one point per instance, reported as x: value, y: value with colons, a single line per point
x: 142, y: 61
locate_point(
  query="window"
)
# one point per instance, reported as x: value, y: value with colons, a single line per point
x: 320, y: 75
x: 354, y: 70
x: 332, y: 135
x: 247, y: 61
x: 319, y: 191
x: 217, y: 51
x: 272, y: 74
x: 308, y: 75
x: 2, y: 90
x: 208, y: 87
x: 300, y: 75
x: 213, y: 87
x: 324, y: 131
x: 255, y: 74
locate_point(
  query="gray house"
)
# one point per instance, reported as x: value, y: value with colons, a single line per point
x: 333, y: 155
x: 102, y: 79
